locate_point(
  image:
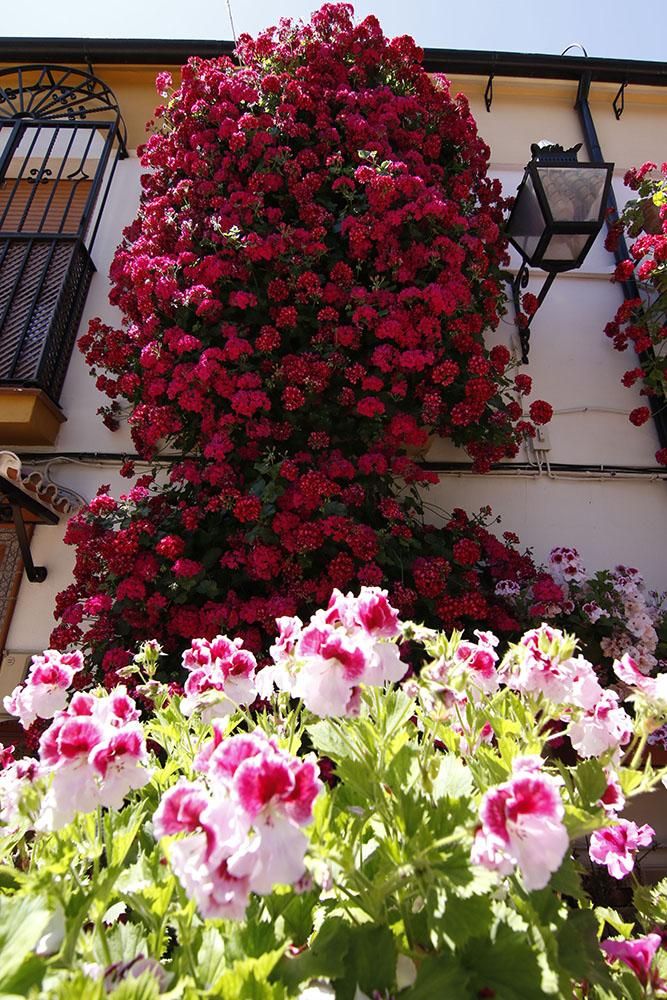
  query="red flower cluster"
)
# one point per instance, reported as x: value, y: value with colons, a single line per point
x: 317, y: 232
x: 305, y: 289
x: 642, y: 321
x: 181, y: 563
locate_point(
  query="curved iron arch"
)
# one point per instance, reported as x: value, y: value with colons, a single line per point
x: 51, y: 92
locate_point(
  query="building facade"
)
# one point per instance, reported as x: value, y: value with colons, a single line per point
x: 71, y: 121
x: 591, y: 483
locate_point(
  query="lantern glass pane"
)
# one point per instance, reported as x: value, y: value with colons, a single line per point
x: 564, y: 247
x: 574, y: 194
x: 527, y: 222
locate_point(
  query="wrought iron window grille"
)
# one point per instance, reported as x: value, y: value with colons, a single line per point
x: 61, y: 136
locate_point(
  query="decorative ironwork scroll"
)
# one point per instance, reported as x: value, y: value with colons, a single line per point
x: 48, y: 93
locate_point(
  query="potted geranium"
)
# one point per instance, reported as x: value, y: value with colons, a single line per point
x: 611, y: 611
x: 352, y: 835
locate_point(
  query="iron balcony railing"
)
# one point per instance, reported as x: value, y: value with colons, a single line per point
x: 60, y: 139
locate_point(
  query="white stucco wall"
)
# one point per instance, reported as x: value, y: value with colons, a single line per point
x: 610, y: 518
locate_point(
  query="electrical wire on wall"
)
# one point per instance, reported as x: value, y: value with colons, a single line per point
x: 231, y: 20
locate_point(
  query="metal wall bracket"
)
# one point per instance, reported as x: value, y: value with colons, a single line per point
x: 618, y: 103
x: 19, y: 500
x: 520, y: 282
x: 488, y: 93
x: 36, y: 574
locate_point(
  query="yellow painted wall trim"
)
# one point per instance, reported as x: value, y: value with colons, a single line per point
x: 28, y: 417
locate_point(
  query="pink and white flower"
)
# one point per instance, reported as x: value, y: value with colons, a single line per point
x: 507, y: 588
x: 613, y: 799
x: 6, y: 756
x: 95, y: 752
x: 15, y: 778
x: 215, y: 828
x: 566, y: 565
x: 180, y: 809
x: 45, y: 690
x: 218, y: 895
x: 475, y: 663
x: 543, y: 663
x: 615, y: 846
x: 120, y: 765
x: 347, y: 645
x: 241, y: 821
x: 221, y: 677
x: 370, y: 611
x: 654, y: 689
x: 334, y: 663
x: 467, y: 746
x: 607, y: 726
x: 522, y: 825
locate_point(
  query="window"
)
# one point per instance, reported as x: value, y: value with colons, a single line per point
x: 61, y: 134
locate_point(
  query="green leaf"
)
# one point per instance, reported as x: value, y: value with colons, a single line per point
x: 125, y: 941
x: 65, y: 985
x: 238, y: 986
x: 326, y: 957
x: 29, y: 974
x: 122, y: 828
x: 579, y: 951
x: 651, y: 903
x: 440, y: 977
x: 209, y: 559
x: 398, y: 708
x: 256, y: 937
x: 507, y: 964
x: 144, y: 987
x: 210, y: 957
x: 371, y: 962
x: 208, y: 588
x: 136, y: 877
x: 579, y: 822
x: 567, y: 881
x: 350, y: 956
x: 404, y: 772
x: 624, y: 985
x: 249, y: 979
x: 453, y: 779
x: 296, y: 913
x: 332, y: 507
x: 605, y: 915
x: 591, y: 782
x: 22, y: 922
x: 460, y: 918
x: 9, y: 877
x: 630, y: 780
x: 327, y: 738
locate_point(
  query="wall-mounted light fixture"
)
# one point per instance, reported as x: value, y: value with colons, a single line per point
x: 558, y: 212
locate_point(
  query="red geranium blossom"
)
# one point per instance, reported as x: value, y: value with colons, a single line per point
x: 305, y: 290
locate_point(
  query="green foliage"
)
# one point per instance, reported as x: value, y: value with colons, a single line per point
x: 578, y: 950
x: 651, y: 904
x: 144, y: 987
x: 390, y: 883
x: 23, y: 920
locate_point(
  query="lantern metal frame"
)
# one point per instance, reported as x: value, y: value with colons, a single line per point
x: 545, y: 155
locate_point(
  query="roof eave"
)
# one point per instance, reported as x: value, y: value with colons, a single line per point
x: 460, y: 62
